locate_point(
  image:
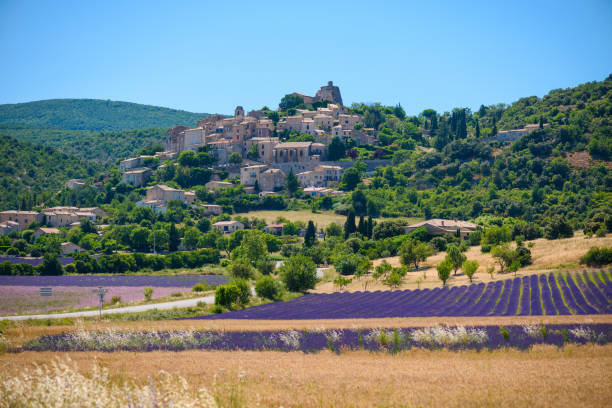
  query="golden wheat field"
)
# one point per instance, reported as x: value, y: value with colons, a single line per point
x: 574, y: 376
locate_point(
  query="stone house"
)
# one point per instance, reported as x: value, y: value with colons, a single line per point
x: 69, y: 248
x: 250, y: 174
x: 137, y: 177
x: 22, y: 218
x: 7, y: 227
x: 274, y: 229
x: 271, y: 180
x: 228, y: 227
x: 215, y: 185
x: 75, y: 184
x: 45, y: 231
x: 164, y: 193
x: 438, y: 226
x: 212, y: 209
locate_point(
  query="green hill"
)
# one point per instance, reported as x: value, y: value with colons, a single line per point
x: 31, y: 174
x: 93, y: 114
x: 100, y: 147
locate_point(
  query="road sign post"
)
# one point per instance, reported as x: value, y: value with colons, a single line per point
x: 46, y: 291
x: 100, y: 291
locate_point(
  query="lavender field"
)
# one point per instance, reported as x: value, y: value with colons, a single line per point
x: 308, y: 341
x: 545, y: 294
x: 20, y: 294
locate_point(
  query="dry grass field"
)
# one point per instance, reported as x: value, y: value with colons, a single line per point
x: 574, y: 376
x: 561, y: 254
x: 321, y: 219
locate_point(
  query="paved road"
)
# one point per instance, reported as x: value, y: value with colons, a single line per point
x: 128, y: 309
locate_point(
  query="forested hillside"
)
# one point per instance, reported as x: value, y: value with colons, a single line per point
x: 93, y: 114
x: 101, y: 147
x: 30, y: 174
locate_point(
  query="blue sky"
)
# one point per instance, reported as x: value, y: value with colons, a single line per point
x: 211, y: 56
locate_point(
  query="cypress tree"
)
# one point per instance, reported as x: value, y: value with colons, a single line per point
x: 349, y: 225
x: 477, y: 130
x: 370, y: 226
x: 362, y: 227
x: 310, y: 237
x: 174, y: 239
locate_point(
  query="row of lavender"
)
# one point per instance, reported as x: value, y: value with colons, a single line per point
x: 552, y: 294
x: 158, y: 281
x: 380, y: 339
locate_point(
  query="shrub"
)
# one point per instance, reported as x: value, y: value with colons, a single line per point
x: 200, y: 287
x: 268, y: 288
x: 558, y: 227
x: 299, y: 273
x: 597, y: 257
x: 148, y: 293
x: 439, y: 243
x: 244, y: 291
x: 266, y: 265
x: 226, y: 295
x: 242, y: 269
x: 350, y: 264
x: 115, y: 300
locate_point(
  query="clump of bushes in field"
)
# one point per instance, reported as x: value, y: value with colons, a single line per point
x: 597, y: 256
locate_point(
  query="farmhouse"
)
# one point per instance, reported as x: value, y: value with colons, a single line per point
x: 228, y: 226
x: 70, y: 248
x: 212, y: 209
x: 438, y: 226
x: 45, y: 231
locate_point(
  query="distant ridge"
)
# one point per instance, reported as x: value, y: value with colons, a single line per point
x: 93, y: 114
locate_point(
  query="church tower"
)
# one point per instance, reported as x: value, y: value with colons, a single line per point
x: 239, y: 113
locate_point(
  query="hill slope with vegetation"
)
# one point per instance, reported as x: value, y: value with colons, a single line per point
x: 93, y: 114
x: 31, y: 174
x: 101, y: 147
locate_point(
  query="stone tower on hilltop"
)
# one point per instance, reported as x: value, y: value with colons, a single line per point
x: 329, y: 93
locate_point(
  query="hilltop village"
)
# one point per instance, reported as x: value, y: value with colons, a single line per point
x: 249, y: 145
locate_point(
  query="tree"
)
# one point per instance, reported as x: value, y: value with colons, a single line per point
x: 291, y: 101
x: 253, y: 152
x: 414, y: 252
x: 299, y: 273
x: 242, y: 269
x: 350, y: 179
x: 158, y: 239
x: 51, y: 265
x: 349, y: 225
x: 387, y: 229
x: 191, y: 236
x: 455, y: 256
x: 469, y: 268
x: 267, y: 287
x: 235, y: 158
x: 292, y: 183
x: 310, y: 237
x: 139, y: 238
x: 504, y: 256
x: 477, y: 130
x: 226, y: 295
x: 362, y: 227
x: 188, y: 158
x: 336, y: 149
x: 360, y: 202
x: 252, y: 247
x: 444, y: 270
x: 174, y: 239
x: 558, y: 227
x: 333, y: 230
